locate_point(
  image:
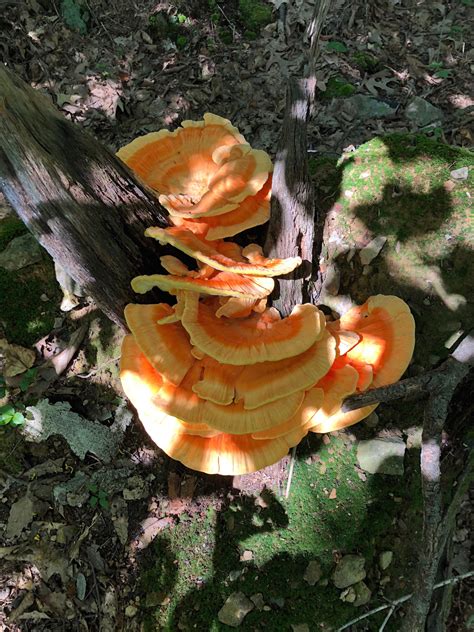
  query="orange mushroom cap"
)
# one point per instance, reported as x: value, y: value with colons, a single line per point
x: 265, y: 382
x: 141, y: 383
x: 203, y: 168
x: 253, y: 211
x: 218, y: 255
x: 182, y: 402
x: 387, y: 331
x: 257, y: 338
x: 166, y: 347
x: 219, y: 284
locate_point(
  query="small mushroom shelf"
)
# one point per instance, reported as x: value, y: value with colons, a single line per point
x: 220, y: 381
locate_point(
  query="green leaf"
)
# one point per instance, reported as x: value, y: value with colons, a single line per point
x: 337, y: 47
x: 103, y: 502
x: 181, y: 41
x: 5, y: 420
x: 93, y: 488
x: 28, y: 378
x: 93, y: 500
x: 443, y: 74
x: 181, y: 18
x: 18, y: 419
x: 7, y: 410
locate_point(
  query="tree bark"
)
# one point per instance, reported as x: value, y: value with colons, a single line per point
x: 82, y: 204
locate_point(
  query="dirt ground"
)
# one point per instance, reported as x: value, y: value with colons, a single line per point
x: 136, y: 541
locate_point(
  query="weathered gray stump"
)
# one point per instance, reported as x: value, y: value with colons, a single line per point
x: 82, y: 204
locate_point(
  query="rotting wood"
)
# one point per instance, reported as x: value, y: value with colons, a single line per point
x: 82, y: 204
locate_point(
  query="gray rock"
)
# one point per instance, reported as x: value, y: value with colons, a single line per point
x: 361, y: 106
x: 460, y: 174
x: 363, y: 594
x: 313, y: 572
x: 372, y: 420
x: 235, y: 609
x: 258, y: 601
x: 332, y: 280
x: 349, y: 571
x: 385, y: 559
x: 21, y: 252
x: 422, y: 113
x: 373, y: 248
x: 382, y: 456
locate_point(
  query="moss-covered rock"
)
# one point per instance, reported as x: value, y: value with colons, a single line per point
x: 255, y: 14
x: 338, y: 87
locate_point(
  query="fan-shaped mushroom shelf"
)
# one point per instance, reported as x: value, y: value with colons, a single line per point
x: 220, y: 381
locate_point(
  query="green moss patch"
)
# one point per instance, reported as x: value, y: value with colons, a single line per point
x: 25, y: 317
x: 400, y: 187
x: 254, y: 14
x: 197, y: 564
x: 338, y: 87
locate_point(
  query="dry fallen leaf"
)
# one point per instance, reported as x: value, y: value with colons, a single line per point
x: 15, y: 359
x: 333, y: 494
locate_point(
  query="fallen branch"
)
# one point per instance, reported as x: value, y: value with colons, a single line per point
x: 394, y: 604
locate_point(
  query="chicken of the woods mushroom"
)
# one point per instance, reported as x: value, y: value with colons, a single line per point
x: 220, y: 381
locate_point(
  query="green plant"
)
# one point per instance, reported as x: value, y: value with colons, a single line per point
x: 338, y: 87
x: 442, y: 73
x: 75, y: 15
x: 3, y: 389
x: 255, y: 14
x: 336, y: 47
x: 365, y: 61
x: 181, y: 41
x: 10, y: 416
x: 28, y: 378
x: 98, y: 497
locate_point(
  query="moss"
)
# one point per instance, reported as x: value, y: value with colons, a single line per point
x: 225, y: 35
x: 10, y: 227
x: 338, y: 87
x: 11, y: 450
x: 365, y: 61
x: 204, y: 549
x: 25, y: 317
x: 255, y: 14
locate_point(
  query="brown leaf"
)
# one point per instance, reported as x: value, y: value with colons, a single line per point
x: 333, y: 494
x: 15, y: 359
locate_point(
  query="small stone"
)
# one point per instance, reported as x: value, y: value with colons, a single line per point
x: 131, y: 611
x: 372, y: 420
x: 362, y: 107
x: 235, y: 609
x: 323, y: 582
x: 385, y: 559
x: 44, y: 298
x: 363, y: 594
x: 279, y: 602
x: 348, y: 595
x: 313, y: 572
x: 258, y: 601
x: 349, y: 571
x: 460, y: 174
x: 234, y: 575
x: 421, y: 113
x: 373, y: 248
x: 266, y: 608
x: 300, y: 627
x: 246, y: 556
x: 382, y: 456
x: 385, y: 580
x: 21, y: 252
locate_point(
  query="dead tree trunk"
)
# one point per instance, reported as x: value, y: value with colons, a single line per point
x: 82, y: 204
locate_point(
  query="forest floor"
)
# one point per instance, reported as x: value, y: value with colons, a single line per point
x: 100, y: 530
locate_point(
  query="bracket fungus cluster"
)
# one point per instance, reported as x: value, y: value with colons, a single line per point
x: 220, y: 381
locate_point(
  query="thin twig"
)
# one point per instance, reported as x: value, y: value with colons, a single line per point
x: 387, y: 618
x: 290, y: 473
x: 397, y: 602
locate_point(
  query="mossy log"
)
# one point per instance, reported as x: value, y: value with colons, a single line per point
x: 82, y: 204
